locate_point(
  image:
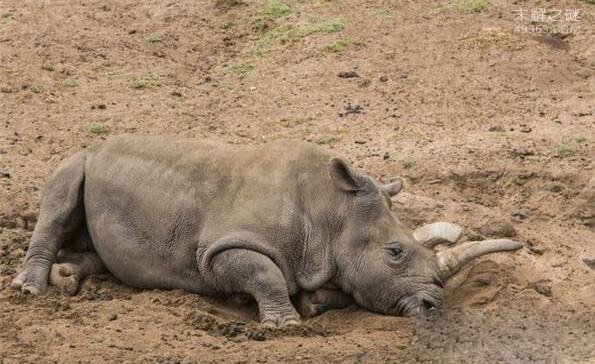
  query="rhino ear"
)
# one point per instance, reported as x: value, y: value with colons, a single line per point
x: 345, y: 177
x: 393, y: 188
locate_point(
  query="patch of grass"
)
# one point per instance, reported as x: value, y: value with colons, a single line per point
x: 564, y: 150
x: 228, y: 25
x: 35, y: 89
x: 228, y: 4
x: 140, y: 82
x: 154, y: 38
x: 330, y: 26
x: 581, y: 139
x: 489, y: 36
x: 289, y: 33
x: 97, y: 129
x: 68, y: 83
x: 339, y: 45
x: 327, y: 140
x: 299, y: 121
x: 241, y: 69
x: 466, y: 6
x: 383, y: 13
x: 407, y: 164
x: 257, y: 53
x: 274, y: 9
x: 407, y: 134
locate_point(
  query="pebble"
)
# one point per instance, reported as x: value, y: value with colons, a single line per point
x: 543, y: 287
x: 348, y: 74
x: 590, y: 262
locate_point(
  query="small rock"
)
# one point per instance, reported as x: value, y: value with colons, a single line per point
x: 496, y: 128
x: 519, y: 215
x: 383, y: 79
x: 526, y: 129
x: 176, y: 93
x: 590, y: 262
x: 360, y: 141
x: 497, y: 229
x: 256, y: 335
x: 542, y: 286
x: 113, y: 317
x: 386, y: 156
x: 537, y: 249
x: 353, y: 109
x: 348, y: 74
x: 102, y: 106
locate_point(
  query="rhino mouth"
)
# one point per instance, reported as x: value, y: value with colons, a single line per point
x: 415, y: 305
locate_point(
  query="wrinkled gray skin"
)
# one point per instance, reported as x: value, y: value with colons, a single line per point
x: 277, y: 221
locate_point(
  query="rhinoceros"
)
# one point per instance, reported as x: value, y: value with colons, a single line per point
x: 289, y: 224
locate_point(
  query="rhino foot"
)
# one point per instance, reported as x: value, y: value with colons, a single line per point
x: 31, y: 280
x: 66, y: 276
x: 279, y: 321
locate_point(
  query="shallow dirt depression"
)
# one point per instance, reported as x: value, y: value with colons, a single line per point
x: 490, y: 128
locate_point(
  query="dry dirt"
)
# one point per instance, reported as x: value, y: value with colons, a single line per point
x: 490, y: 128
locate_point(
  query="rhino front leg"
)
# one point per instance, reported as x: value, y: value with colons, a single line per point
x: 315, y: 303
x: 60, y: 215
x: 247, y: 271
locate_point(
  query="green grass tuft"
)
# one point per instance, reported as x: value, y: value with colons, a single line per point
x: 241, y: 69
x: 564, y: 150
x: 383, y: 13
x: 466, y: 6
x: 154, y: 38
x: 97, y: 129
x: 68, y: 83
x: 274, y: 9
x: 407, y: 164
x: 339, y: 45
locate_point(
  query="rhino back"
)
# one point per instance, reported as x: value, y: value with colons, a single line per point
x: 153, y: 202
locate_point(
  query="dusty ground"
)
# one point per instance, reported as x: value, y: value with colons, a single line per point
x: 490, y: 128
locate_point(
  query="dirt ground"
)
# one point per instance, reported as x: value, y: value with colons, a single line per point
x: 490, y: 128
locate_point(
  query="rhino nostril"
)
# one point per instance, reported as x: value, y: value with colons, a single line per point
x: 428, y: 305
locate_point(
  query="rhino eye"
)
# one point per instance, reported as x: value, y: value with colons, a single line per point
x: 395, y: 251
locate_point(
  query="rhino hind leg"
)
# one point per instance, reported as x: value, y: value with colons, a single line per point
x: 247, y: 271
x: 71, y: 269
x: 310, y: 304
x: 60, y: 217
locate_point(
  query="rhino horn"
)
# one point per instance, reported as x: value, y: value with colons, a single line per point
x: 453, y: 259
x: 393, y: 188
x: 437, y: 233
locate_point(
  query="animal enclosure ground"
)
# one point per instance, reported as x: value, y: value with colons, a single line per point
x: 490, y: 128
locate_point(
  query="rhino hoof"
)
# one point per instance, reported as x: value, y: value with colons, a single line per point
x: 29, y: 281
x: 66, y: 277
x: 280, y: 322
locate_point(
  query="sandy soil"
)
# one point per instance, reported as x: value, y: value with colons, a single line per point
x: 490, y: 128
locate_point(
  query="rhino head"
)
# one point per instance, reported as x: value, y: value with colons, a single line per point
x: 384, y: 265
